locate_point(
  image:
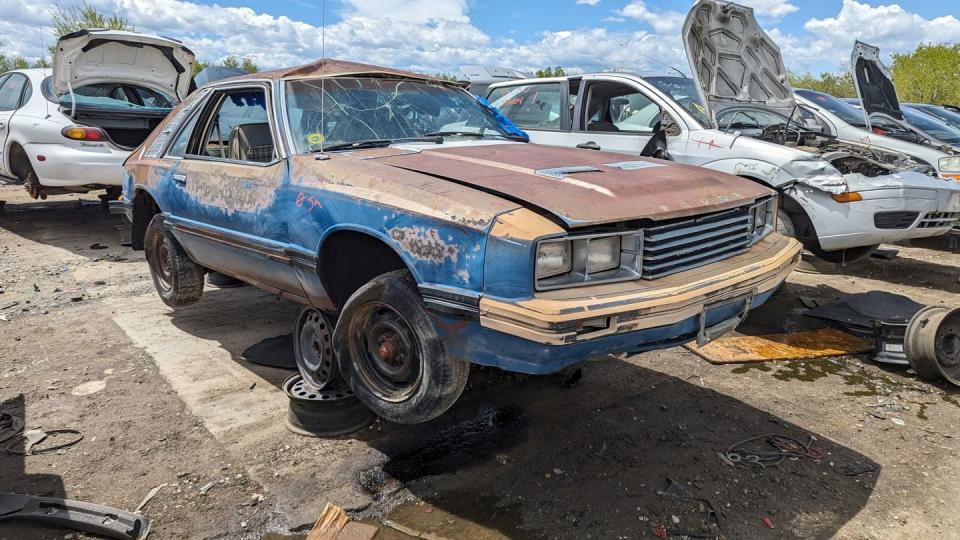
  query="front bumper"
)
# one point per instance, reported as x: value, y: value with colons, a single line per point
x: 564, y: 327
x: 68, y: 165
x: 850, y: 225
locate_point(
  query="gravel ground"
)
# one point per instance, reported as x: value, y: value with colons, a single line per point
x: 178, y: 400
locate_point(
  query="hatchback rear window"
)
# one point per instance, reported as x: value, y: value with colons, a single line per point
x: 111, y: 96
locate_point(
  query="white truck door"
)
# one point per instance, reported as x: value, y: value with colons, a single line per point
x: 543, y: 109
x: 615, y: 115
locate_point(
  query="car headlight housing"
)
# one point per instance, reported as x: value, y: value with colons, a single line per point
x: 588, y: 259
x: 763, y: 218
x: 949, y: 164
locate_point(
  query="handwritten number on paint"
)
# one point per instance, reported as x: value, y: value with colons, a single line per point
x: 311, y: 200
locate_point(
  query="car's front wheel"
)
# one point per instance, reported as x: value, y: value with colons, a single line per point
x: 392, y: 356
x: 178, y: 280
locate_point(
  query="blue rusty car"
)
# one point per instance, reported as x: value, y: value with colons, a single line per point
x: 422, y: 233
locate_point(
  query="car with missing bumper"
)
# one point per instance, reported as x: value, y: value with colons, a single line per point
x: 422, y: 233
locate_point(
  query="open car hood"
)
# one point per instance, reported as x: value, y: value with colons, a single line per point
x: 874, y: 83
x: 734, y: 62
x: 101, y: 56
x: 581, y: 187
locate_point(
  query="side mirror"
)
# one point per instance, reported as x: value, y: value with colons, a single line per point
x: 668, y: 125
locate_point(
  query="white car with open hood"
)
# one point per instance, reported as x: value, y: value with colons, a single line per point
x: 841, y: 199
x: 70, y: 129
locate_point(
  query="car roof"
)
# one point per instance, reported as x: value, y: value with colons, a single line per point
x: 329, y: 67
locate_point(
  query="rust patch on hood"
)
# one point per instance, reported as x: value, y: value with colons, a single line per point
x: 607, y: 194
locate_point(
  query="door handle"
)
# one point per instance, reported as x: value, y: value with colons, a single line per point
x: 589, y: 145
x: 3, y: 124
x: 180, y: 179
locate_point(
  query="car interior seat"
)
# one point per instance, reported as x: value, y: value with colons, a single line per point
x: 251, y: 142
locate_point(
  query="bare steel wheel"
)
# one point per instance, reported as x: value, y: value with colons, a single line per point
x: 391, y: 355
x: 313, y: 347
x: 178, y: 280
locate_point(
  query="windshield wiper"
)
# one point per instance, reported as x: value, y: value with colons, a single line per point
x: 476, y: 134
x: 378, y: 143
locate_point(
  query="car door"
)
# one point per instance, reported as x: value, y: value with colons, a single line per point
x: 226, y: 172
x: 615, y: 115
x: 12, y: 87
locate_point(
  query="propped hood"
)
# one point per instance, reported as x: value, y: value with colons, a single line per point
x: 874, y: 83
x: 581, y: 187
x: 734, y: 62
x: 100, y: 56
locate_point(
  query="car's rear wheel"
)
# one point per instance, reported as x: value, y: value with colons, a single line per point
x: 178, y: 280
x: 392, y: 356
x: 313, y: 349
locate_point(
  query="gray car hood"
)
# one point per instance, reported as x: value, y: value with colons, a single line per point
x: 874, y: 83
x: 734, y: 62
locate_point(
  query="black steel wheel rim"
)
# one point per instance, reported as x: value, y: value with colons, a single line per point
x: 161, y: 262
x: 297, y: 389
x: 385, y: 352
x: 315, y: 358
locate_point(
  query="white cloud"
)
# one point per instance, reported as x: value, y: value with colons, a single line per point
x: 588, y: 2
x: 771, y: 10
x: 664, y: 22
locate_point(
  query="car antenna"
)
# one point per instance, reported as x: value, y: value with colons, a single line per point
x: 648, y: 57
x: 323, y: 92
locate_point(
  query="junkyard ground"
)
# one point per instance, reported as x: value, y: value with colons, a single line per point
x: 183, y: 406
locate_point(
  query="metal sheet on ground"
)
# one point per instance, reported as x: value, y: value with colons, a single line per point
x: 821, y: 343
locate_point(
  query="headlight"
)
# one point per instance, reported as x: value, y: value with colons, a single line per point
x: 950, y: 164
x: 589, y: 258
x: 603, y: 254
x: 553, y: 258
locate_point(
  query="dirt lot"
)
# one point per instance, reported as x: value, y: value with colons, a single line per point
x: 176, y: 401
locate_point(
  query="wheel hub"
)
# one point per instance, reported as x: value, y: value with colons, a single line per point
x: 383, y: 346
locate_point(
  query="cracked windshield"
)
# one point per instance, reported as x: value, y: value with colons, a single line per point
x: 343, y: 113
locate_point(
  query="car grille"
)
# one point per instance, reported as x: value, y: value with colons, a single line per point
x: 935, y: 220
x: 894, y: 220
x: 675, y: 247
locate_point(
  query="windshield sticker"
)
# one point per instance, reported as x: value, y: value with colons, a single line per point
x: 633, y: 165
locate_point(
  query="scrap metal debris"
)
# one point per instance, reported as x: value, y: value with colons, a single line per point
x: 150, y: 495
x: 774, y: 451
x: 81, y: 516
x: 34, y: 437
x: 10, y: 425
x: 823, y: 343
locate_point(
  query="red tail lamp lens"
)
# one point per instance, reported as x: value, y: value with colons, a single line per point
x: 78, y: 133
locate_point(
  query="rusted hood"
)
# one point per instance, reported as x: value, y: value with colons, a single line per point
x: 608, y: 187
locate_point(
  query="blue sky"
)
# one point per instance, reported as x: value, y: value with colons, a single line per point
x: 440, y: 35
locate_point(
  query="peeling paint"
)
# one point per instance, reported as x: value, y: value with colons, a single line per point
x: 425, y: 244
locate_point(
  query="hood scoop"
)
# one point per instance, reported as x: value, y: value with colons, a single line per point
x: 560, y: 173
x: 733, y: 61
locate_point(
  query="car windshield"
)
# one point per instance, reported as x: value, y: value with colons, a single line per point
x: 931, y: 125
x: 343, y: 110
x: 110, y: 95
x: 950, y: 117
x: 845, y: 111
x: 683, y: 91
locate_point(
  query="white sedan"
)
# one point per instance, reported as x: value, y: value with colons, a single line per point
x: 69, y: 129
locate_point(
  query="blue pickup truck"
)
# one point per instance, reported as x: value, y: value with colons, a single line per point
x: 422, y: 233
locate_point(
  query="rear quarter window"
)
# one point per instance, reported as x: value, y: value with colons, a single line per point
x: 533, y: 106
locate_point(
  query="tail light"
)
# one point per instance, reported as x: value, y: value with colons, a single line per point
x: 879, y: 131
x: 79, y: 133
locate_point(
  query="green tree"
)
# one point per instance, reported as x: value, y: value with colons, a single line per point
x: 836, y: 84
x: 41, y: 63
x: 444, y: 76
x: 550, y: 72
x: 66, y: 20
x: 199, y: 66
x: 245, y: 64
x: 929, y: 74
x: 14, y: 62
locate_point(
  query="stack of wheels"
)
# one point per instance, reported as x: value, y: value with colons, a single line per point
x: 932, y: 343
x: 329, y: 412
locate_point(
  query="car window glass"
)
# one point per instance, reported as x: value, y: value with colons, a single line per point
x: 27, y: 93
x: 536, y: 106
x: 616, y: 107
x: 10, y: 92
x: 179, y: 147
x: 239, y: 129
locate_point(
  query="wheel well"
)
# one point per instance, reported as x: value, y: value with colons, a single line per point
x: 350, y: 259
x: 20, y: 164
x: 144, y: 208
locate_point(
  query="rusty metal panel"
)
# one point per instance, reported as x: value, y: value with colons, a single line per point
x: 605, y: 192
